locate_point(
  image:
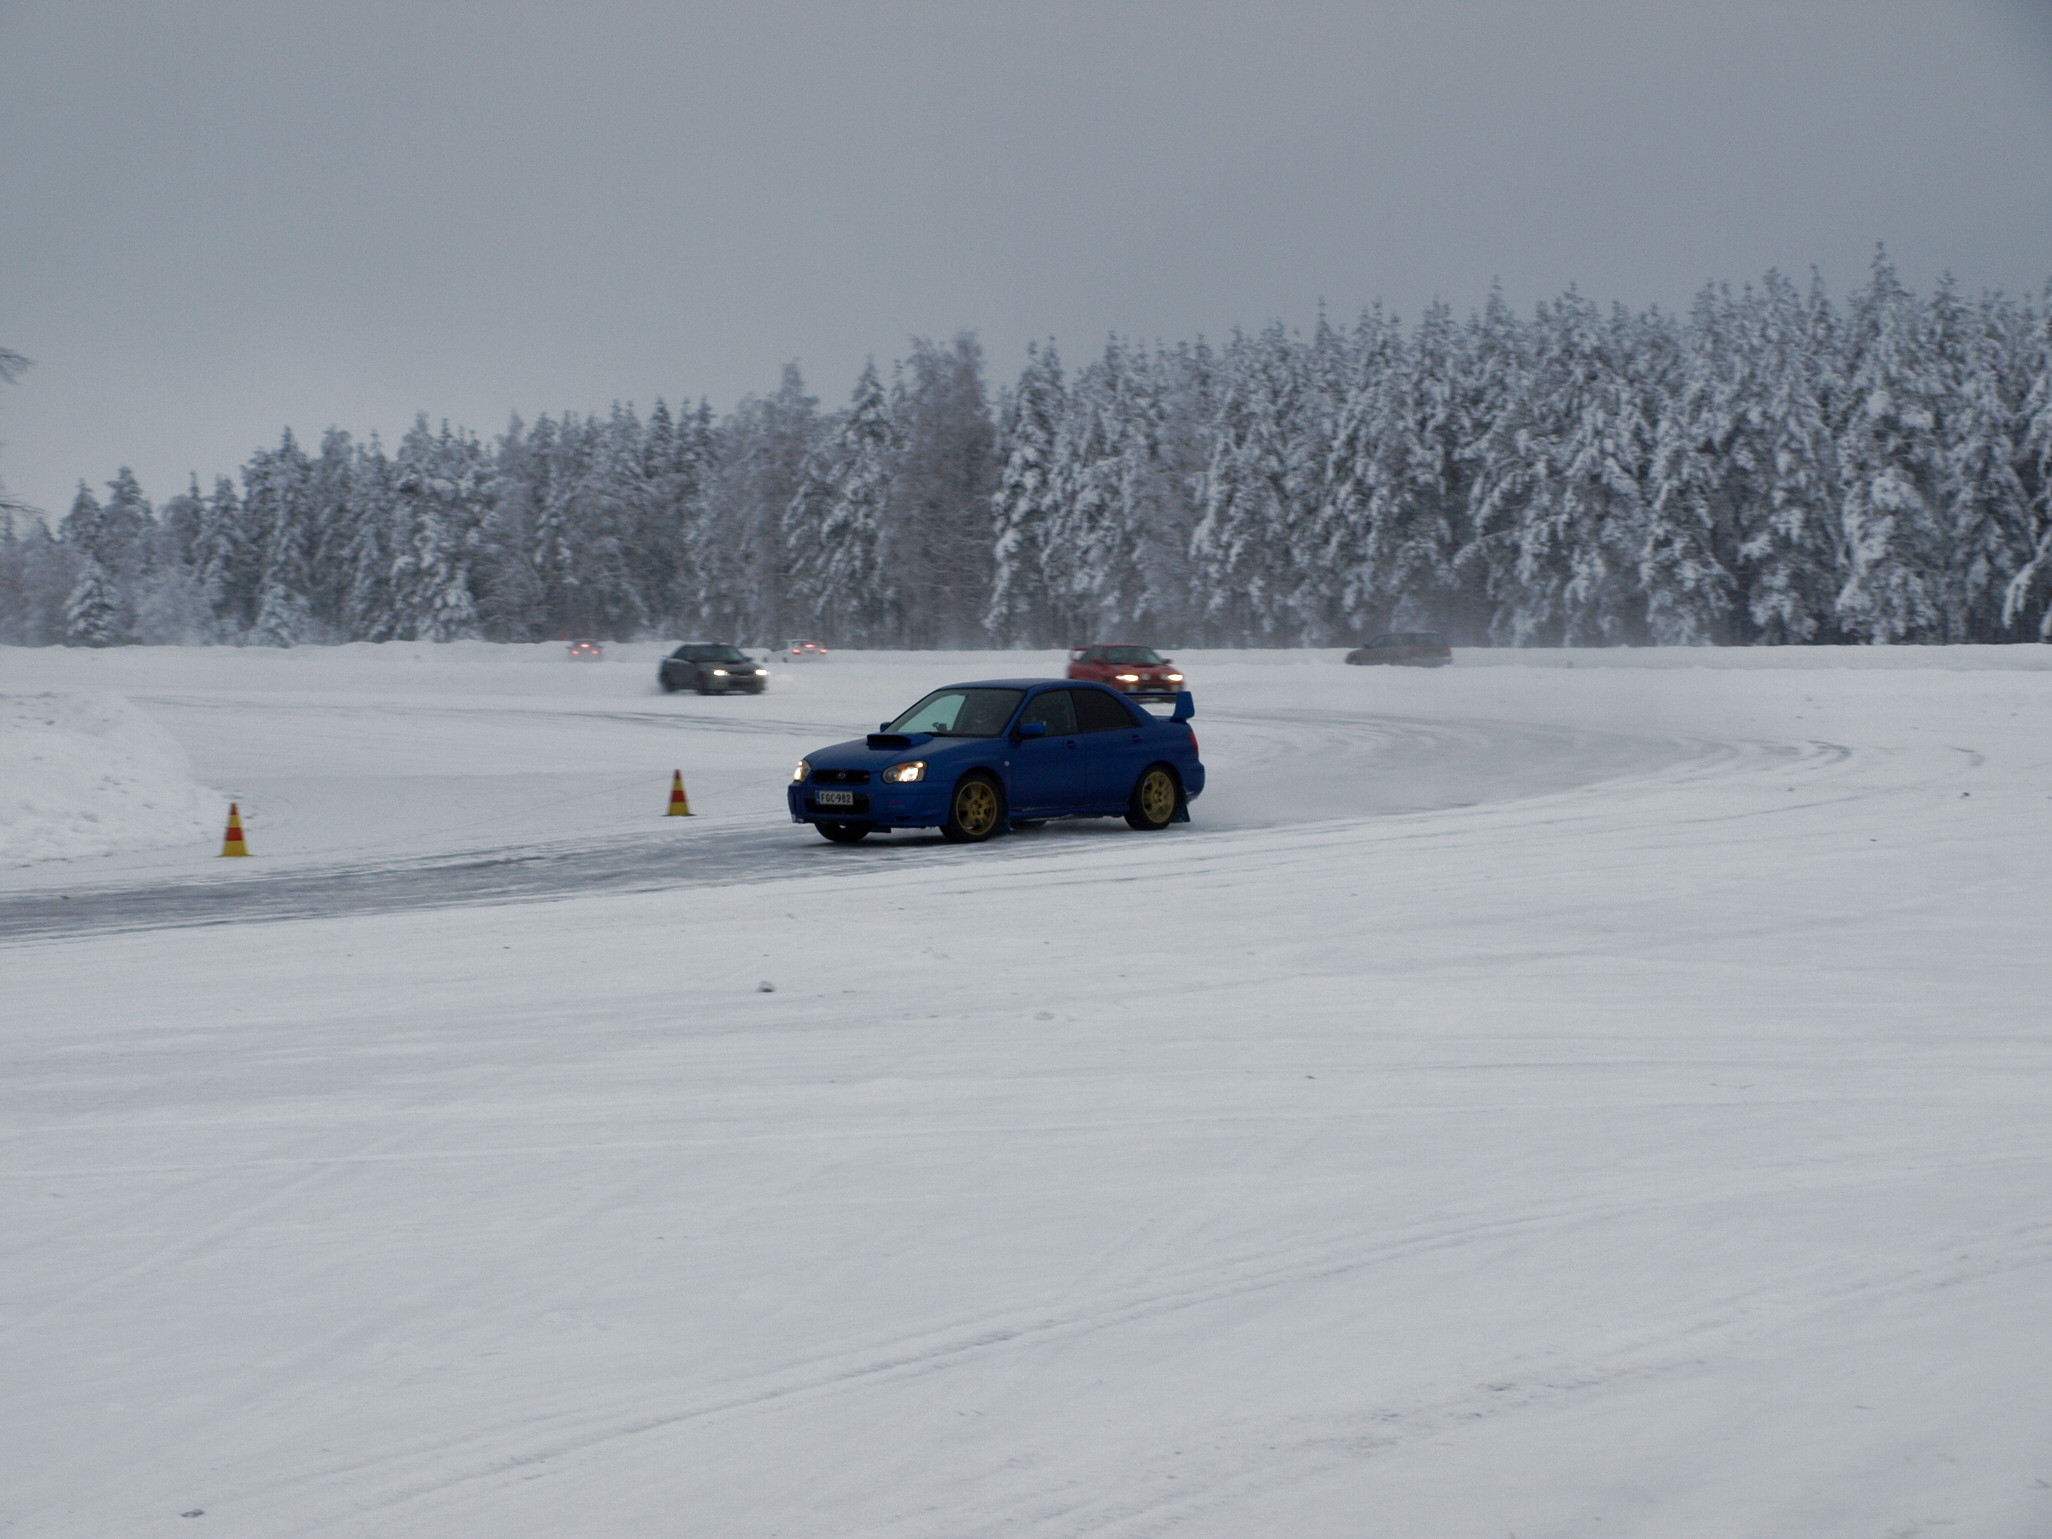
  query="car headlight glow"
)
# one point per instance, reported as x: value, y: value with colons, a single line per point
x: 1129, y: 678
x: 719, y: 673
x: 762, y: 673
x: 804, y: 768
x: 900, y: 774
x: 1173, y: 678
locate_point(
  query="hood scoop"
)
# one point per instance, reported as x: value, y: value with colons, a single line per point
x: 889, y: 740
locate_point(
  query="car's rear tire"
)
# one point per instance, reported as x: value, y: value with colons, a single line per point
x: 1152, y: 806
x: 845, y: 833
x: 975, y: 811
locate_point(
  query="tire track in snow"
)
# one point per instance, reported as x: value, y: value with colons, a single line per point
x: 1713, y: 1324
x: 1355, y: 767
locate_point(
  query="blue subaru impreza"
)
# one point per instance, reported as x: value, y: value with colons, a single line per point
x: 978, y: 759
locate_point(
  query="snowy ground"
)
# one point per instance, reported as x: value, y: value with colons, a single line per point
x: 1565, y: 1094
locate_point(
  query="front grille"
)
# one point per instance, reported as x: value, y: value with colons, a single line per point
x: 831, y: 777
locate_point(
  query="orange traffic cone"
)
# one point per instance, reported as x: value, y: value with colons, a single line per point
x: 232, y: 843
x: 679, y: 807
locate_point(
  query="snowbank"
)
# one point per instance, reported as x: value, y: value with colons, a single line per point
x: 89, y: 775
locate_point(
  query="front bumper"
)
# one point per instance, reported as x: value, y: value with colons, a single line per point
x: 885, y: 806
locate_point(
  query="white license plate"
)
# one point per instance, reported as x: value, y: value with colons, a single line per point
x: 834, y: 798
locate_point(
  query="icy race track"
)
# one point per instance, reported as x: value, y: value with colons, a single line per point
x: 1560, y: 1095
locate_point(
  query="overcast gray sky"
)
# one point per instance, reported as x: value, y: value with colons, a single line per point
x: 221, y: 217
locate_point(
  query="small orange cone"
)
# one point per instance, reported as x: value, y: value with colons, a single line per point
x: 232, y: 844
x: 679, y: 807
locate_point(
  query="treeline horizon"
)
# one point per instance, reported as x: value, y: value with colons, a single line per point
x: 1771, y: 468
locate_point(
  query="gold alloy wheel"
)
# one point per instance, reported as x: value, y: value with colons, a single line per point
x: 976, y: 808
x: 1157, y: 796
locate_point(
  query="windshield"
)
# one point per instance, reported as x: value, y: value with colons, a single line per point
x: 1133, y: 657
x: 710, y: 655
x: 961, y: 713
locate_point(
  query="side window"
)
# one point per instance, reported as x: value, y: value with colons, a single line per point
x: 1097, y: 711
x: 1094, y: 655
x: 1055, y: 710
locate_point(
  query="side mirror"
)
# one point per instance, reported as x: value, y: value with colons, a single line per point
x: 1027, y: 729
x: 883, y: 726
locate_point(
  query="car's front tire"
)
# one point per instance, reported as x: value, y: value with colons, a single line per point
x: 975, y: 811
x: 845, y: 833
x: 1152, y: 806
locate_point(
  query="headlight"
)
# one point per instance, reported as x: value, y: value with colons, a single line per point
x: 719, y: 673
x: 1129, y: 678
x: 762, y: 673
x: 804, y: 768
x: 1173, y: 678
x: 901, y: 773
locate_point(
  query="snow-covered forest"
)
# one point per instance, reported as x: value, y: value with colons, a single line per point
x: 1773, y: 467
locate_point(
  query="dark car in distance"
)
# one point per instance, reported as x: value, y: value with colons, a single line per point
x: 979, y: 759
x: 711, y: 668
x: 1414, y: 649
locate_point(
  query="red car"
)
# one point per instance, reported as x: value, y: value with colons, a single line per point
x: 586, y: 652
x: 1135, y: 670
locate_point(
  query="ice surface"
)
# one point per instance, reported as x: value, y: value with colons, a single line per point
x: 1655, y: 1144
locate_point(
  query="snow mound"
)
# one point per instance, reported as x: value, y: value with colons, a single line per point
x: 90, y: 774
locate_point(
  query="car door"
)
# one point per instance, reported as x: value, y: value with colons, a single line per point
x: 1046, y: 770
x: 1113, y: 749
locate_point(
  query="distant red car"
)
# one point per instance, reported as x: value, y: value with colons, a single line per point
x: 586, y: 652
x: 1135, y: 670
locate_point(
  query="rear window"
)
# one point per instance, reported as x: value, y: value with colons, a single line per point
x: 1097, y: 711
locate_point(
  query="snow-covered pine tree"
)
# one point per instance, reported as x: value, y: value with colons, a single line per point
x: 92, y: 611
x: 936, y: 541
x: 1395, y: 482
x: 1024, y: 502
x: 330, y: 514
x: 219, y: 556
x: 1707, y: 472
x: 1791, y: 554
x: 80, y: 527
x: 1892, y: 468
x: 437, y: 507
x: 686, y: 491
x: 508, y: 588
x: 37, y: 574
x: 371, y: 557
x: 606, y: 509
x: 275, y: 487
x: 739, y: 551
x: 1262, y: 489
x: 2027, y: 601
x: 833, y: 527
x: 1564, y: 471
x: 1988, y: 533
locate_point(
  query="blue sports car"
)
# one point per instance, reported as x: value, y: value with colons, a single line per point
x: 978, y: 759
